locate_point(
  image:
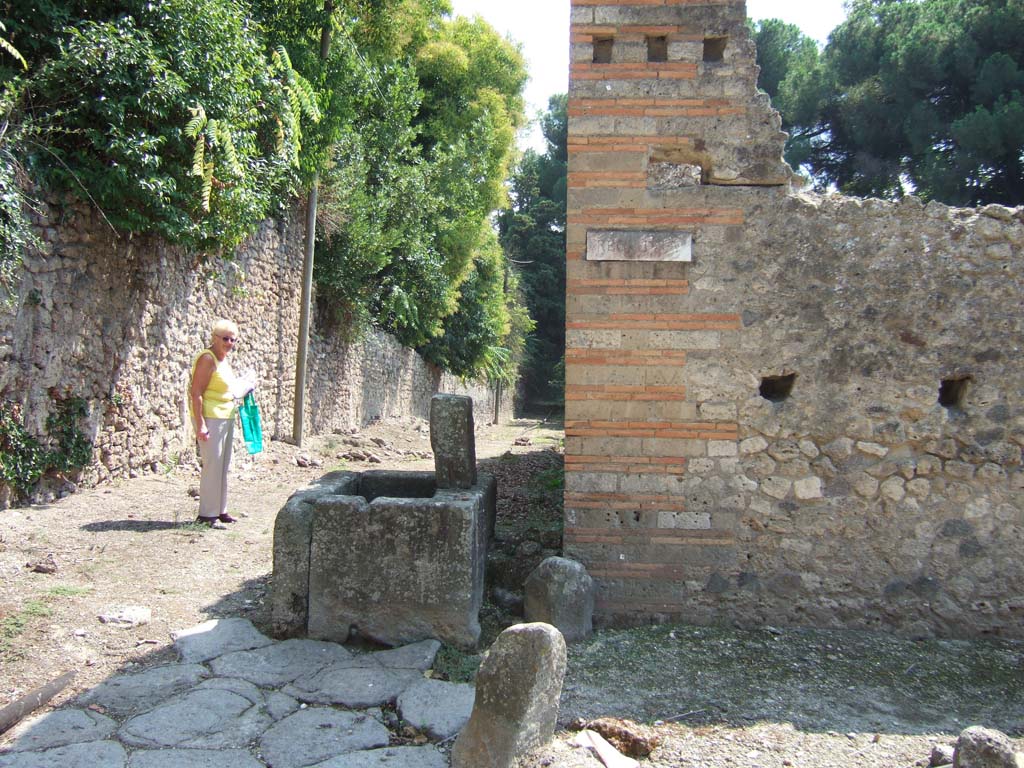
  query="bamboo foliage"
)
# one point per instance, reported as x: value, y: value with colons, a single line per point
x: 10, y: 49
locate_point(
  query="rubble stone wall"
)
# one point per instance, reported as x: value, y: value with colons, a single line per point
x: 118, y: 320
x: 802, y: 409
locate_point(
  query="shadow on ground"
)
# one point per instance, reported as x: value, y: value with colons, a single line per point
x: 135, y: 526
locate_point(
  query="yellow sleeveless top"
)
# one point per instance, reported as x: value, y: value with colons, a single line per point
x: 217, y: 400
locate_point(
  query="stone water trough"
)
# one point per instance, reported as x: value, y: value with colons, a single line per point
x: 394, y: 557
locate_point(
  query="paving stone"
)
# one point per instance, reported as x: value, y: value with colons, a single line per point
x: 60, y: 728
x: 240, y: 687
x: 392, y: 757
x: 313, y: 735
x: 419, y: 656
x: 127, y: 694
x: 216, y: 714
x: 193, y: 758
x: 280, y: 705
x: 437, y: 707
x: 275, y: 665
x: 355, y: 687
x: 216, y: 637
x: 93, y: 754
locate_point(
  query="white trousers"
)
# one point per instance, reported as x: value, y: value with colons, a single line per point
x: 215, y: 455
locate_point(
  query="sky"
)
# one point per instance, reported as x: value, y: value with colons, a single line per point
x: 542, y: 26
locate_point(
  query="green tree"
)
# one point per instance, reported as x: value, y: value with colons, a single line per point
x: 416, y: 174
x: 533, y: 236
x: 791, y: 74
x: 926, y: 95
x: 171, y: 115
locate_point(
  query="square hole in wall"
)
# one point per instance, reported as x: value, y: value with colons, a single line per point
x: 953, y: 391
x: 714, y: 48
x: 657, y: 49
x: 603, y: 50
x: 777, y: 388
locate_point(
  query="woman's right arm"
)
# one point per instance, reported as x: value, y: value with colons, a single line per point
x: 200, y: 381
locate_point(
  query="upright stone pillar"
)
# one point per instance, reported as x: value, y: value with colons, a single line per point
x: 453, y: 441
x: 517, y: 692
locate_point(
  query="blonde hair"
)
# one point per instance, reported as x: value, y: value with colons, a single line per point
x: 222, y: 326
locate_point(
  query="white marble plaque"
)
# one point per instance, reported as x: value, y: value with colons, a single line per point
x: 635, y: 245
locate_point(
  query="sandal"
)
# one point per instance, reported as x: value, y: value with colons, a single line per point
x: 211, y: 522
x: 226, y: 518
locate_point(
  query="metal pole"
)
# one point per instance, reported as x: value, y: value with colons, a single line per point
x: 307, y: 265
x: 304, y: 313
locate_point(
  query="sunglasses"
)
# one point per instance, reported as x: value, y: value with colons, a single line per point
x: 229, y: 339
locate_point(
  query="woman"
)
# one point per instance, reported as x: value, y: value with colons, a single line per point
x: 212, y: 404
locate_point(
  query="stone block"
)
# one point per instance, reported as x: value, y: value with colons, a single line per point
x: 517, y: 692
x: 453, y: 441
x: 722, y: 448
x: 979, y: 747
x: 289, y: 595
x: 560, y: 592
x: 807, y: 488
x: 398, y: 570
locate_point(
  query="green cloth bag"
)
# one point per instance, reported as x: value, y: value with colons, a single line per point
x: 252, y: 430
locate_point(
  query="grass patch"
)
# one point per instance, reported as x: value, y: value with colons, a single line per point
x: 456, y: 666
x: 66, y: 590
x: 549, y: 480
x: 12, y: 626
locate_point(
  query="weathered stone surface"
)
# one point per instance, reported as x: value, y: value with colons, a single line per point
x: 127, y: 616
x: 979, y: 747
x: 311, y: 736
x: 216, y: 714
x: 453, y: 441
x: 517, y: 691
x: 289, y: 592
x: 390, y: 757
x: 419, y: 656
x: 194, y: 758
x: 92, y: 754
x: 942, y: 754
x: 275, y: 665
x: 353, y: 687
x: 216, y: 637
x: 436, y: 707
x: 126, y: 694
x: 60, y: 728
x: 280, y: 705
x: 401, y: 569
x: 560, y: 592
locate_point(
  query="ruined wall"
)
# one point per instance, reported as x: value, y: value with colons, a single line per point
x: 117, y: 321
x: 753, y: 416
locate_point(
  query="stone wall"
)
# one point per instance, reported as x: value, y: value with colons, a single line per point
x: 117, y: 321
x: 780, y: 408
